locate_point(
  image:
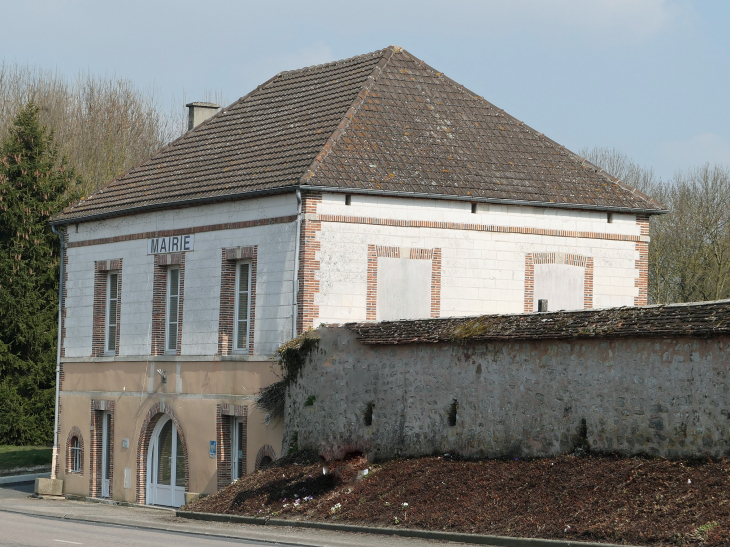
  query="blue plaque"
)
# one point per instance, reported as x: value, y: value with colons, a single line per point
x: 212, y: 449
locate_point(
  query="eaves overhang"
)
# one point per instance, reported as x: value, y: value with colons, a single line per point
x: 359, y: 191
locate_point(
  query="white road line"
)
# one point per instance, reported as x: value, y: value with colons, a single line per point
x: 64, y: 541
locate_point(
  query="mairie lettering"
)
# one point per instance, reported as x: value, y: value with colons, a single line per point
x: 171, y: 244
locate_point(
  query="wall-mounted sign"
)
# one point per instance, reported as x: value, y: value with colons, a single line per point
x: 171, y: 244
x: 213, y: 449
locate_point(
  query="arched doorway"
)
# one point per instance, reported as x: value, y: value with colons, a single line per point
x: 166, y: 465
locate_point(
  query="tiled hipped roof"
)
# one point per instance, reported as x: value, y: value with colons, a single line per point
x: 384, y: 122
x: 697, y: 319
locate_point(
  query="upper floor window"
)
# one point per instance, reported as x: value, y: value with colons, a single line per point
x: 242, y: 306
x: 173, y: 311
x: 112, y: 307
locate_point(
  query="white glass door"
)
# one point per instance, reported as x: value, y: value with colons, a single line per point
x: 238, y: 441
x: 106, y: 448
x: 166, y: 466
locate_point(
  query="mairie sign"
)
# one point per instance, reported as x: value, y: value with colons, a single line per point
x: 171, y: 244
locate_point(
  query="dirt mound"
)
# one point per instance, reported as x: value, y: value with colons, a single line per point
x: 618, y: 500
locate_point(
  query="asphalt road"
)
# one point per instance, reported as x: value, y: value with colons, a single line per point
x: 36, y: 522
x: 24, y: 530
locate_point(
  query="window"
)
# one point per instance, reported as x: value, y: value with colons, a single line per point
x: 112, y: 299
x: 75, y: 455
x: 242, y: 306
x: 173, y: 311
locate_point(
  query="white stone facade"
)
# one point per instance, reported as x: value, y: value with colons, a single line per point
x: 482, y: 263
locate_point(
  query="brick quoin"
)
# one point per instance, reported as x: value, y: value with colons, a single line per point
x: 308, y: 311
x: 229, y: 259
x: 642, y: 264
x: 378, y: 251
x: 551, y: 258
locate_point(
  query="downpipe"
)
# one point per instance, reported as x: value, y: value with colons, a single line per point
x: 295, y: 283
x: 54, y: 459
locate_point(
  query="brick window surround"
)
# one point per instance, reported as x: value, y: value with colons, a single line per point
x: 157, y: 411
x: 101, y: 274
x: 229, y: 259
x: 557, y: 258
x: 159, y: 304
x: 264, y: 451
x: 96, y: 446
x: 75, y: 432
x: 377, y: 251
x: 225, y: 415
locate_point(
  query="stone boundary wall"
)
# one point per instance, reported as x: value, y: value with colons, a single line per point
x: 666, y: 397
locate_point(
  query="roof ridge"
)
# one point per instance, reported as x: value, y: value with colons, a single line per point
x: 334, y: 63
x: 387, y: 54
x: 580, y: 159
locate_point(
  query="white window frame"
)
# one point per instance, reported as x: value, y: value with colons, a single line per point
x: 168, y: 350
x: 75, y: 455
x: 236, y: 309
x: 108, y: 319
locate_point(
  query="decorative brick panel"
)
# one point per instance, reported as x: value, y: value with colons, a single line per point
x: 378, y: 251
x: 101, y: 275
x: 263, y: 452
x: 224, y: 418
x: 75, y: 432
x: 557, y: 258
x: 642, y: 264
x: 229, y: 260
x: 96, y: 445
x: 308, y: 263
x: 159, y: 297
x: 153, y: 416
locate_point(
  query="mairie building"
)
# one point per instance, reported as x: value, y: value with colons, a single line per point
x: 369, y: 189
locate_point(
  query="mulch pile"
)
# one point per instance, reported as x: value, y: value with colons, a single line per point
x: 617, y: 500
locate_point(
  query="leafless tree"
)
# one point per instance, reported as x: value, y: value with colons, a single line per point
x: 103, y: 125
x: 689, y: 253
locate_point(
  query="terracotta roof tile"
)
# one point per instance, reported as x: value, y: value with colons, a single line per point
x: 383, y: 122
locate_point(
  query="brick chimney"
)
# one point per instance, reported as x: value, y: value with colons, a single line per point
x: 199, y: 112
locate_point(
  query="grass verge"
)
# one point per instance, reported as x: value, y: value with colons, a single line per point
x: 24, y: 456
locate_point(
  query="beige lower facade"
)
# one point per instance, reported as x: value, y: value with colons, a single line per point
x: 149, y: 431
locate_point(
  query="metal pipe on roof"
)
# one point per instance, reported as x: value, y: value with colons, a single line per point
x: 54, y: 458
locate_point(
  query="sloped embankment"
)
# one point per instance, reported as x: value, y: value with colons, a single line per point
x: 617, y: 500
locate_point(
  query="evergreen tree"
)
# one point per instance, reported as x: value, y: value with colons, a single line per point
x: 34, y: 185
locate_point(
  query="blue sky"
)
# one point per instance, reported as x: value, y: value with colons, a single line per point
x: 649, y: 77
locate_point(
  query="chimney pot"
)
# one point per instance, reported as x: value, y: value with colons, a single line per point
x: 198, y: 112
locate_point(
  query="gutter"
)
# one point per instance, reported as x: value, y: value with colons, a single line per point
x: 54, y: 459
x: 498, y: 201
x: 295, y: 277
